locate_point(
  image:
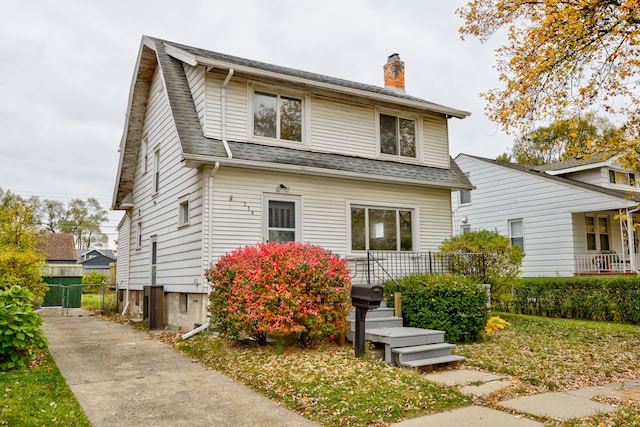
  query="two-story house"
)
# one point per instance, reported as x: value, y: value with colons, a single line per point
x: 569, y: 217
x: 220, y: 152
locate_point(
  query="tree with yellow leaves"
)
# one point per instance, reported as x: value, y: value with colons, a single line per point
x: 566, y: 139
x: 563, y: 59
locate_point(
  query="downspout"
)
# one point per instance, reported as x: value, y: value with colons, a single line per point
x: 207, y: 320
x: 223, y: 114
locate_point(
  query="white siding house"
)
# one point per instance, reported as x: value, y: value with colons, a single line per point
x: 216, y: 147
x: 569, y: 217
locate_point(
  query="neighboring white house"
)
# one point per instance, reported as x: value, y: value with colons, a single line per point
x: 220, y: 152
x: 569, y: 217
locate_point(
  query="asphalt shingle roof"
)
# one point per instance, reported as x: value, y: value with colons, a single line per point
x: 536, y: 170
x: 194, y: 143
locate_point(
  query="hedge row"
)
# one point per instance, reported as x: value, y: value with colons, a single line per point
x: 614, y: 299
x: 454, y: 304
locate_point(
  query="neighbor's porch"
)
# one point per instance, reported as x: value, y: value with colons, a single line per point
x: 605, y: 243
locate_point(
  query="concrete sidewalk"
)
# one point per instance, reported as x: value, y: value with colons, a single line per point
x: 558, y: 405
x: 123, y: 377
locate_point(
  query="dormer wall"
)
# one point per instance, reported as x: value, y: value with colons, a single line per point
x: 330, y: 123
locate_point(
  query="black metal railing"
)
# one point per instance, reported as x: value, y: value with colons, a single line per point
x: 391, y: 265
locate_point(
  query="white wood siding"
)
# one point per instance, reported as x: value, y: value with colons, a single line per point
x: 179, y: 248
x: 547, y: 208
x: 598, y: 176
x: 236, y: 118
x: 196, y: 79
x: 435, y: 142
x: 343, y: 128
x: 124, y: 246
x: 333, y: 126
x: 238, y: 210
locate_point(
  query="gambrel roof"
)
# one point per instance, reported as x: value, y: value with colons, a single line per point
x: 198, y: 149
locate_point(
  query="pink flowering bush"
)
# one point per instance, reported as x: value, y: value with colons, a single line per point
x: 282, y: 290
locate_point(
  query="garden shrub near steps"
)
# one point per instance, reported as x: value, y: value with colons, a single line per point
x: 454, y: 304
x: 281, y: 290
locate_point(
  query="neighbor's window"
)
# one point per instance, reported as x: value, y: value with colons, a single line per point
x: 276, y: 116
x: 597, y: 228
x: 145, y: 154
x: 622, y: 178
x: 464, y: 229
x: 397, y: 136
x: 183, y: 211
x: 516, y: 233
x: 381, y: 229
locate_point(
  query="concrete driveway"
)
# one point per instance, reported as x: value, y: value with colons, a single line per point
x: 123, y: 377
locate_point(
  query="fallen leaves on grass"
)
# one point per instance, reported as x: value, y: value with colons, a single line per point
x: 328, y: 385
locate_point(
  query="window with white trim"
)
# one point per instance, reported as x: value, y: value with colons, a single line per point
x: 183, y: 211
x: 597, y: 228
x: 154, y: 259
x: 380, y: 228
x: 622, y: 178
x: 465, y: 195
x: 397, y: 136
x: 139, y: 235
x: 464, y: 229
x: 145, y: 154
x: 156, y: 171
x: 277, y: 116
x: 516, y: 233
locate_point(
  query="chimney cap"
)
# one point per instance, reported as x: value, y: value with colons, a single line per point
x: 393, y: 57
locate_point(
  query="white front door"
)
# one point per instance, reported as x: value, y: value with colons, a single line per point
x: 282, y: 220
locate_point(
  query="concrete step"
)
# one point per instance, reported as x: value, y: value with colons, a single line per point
x: 433, y: 361
x: 373, y: 314
x: 378, y: 322
x: 402, y: 337
x: 419, y: 352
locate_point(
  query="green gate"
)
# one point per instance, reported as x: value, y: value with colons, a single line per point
x: 63, y: 292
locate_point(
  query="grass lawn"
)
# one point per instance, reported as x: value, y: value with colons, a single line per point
x: 93, y: 301
x: 332, y: 387
x: 38, y: 396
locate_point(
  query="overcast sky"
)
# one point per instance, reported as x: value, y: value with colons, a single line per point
x: 66, y: 69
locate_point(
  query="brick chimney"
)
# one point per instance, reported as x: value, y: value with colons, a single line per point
x: 394, y: 73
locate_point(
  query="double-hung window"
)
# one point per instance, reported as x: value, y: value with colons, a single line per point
x: 382, y: 229
x: 597, y: 228
x: 516, y: 233
x: 183, y: 211
x: 277, y: 116
x: 398, y: 136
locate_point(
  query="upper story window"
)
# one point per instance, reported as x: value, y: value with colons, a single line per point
x: 622, y: 178
x: 156, y: 171
x: 145, y: 154
x: 397, y: 136
x: 277, y: 116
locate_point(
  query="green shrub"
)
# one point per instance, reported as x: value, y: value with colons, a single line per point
x: 280, y: 289
x: 590, y: 298
x: 454, y: 304
x: 501, y: 260
x: 20, y: 333
x: 93, y: 278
